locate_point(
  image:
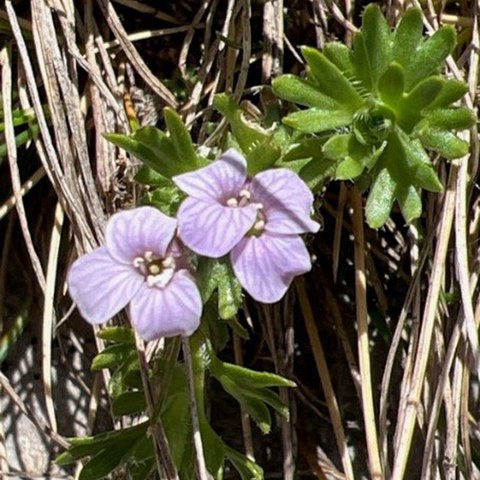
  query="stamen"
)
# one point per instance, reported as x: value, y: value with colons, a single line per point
x: 232, y: 202
x: 245, y: 194
x: 148, y: 255
x: 154, y: 269
x: 151, y: 280
x: 260, y: 206
x: 138, y: 262
x: 168, y: 262
x: 259, y: 226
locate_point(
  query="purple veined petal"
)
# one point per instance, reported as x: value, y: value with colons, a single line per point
x: 167, y: 312
x: 211, y: 229
x: 265, y: 266
x: 131, y: 233
x: 219, y: 181
x: 101, y: 286
x: 287, y: 201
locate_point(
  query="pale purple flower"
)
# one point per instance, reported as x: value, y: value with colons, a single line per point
x: 141, y: 264
x: 257, y: 219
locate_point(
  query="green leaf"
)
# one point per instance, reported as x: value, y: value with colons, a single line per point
x: 458, y: 118
x: 380, y: 199
x: 86, y: 446
x: 407, y: 36
x: 106, y: 461
x: 117, y: 334
x: 410, y: 202
x: 330, y: 79
x: 148, y: 176
x: 410, y: 109
x: 247, y: 469
x: 423, y: 94
x: 255, y: 408
x: 443, y: 142
x: 316, y: 172
x: 452, y: 91
x: 158, y: 151
x: 429, y: 56
x: 214, y: 449
x: 316, y: 120
x: 181, y: 140
x: 339, y: 54
x: 391, y: 85
x: 372, y: 47
x: 246, y: 133
x: 308, y: 147
x: 167, y: 199
x: 213, y: 274
x: 422, y: 171
x: 262, y: 157
x: 249, y: 378
x: 129, y: 403
x: 303, y: 92
x: 111, y: 356
x: 175, y: 415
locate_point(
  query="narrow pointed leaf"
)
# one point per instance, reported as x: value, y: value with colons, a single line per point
x: 429, y: 56
x: 380, y: 199
x: 410, y: 203
x: 392, y: 84
x: 181, y: 140
x: 408, y: 36
x: 372, y: 47
x: 303, y: 92
x: 443, y: 142
x: 246, y: 133
x: 316, y: 120
x: 330, y: 79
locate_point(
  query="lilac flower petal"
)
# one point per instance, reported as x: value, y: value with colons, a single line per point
x: 211, y: 229
x: 287, y: 201
x: 134, y: 232
x: 100, y: 286
x: 266, y: 265
x: 166, y: 312
x: 219, y: 181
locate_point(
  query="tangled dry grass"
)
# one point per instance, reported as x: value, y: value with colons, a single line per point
x: 375, y: 336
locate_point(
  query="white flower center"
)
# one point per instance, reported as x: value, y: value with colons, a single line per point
x: 156, y: 270
x: 260, y: 221
x: 241, y: 200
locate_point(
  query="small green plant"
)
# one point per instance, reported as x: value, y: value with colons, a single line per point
x: 376, y: 109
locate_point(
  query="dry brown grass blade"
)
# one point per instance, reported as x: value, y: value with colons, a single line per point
x: 323, y: 373
x: 165, y: 466
x: 132, y: 54
x: 404, y: 429
x: 245, y: 417
x: 14, y: 170
x: 375, y: 466
x: 48, y: 318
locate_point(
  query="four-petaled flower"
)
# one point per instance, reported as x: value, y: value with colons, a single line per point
x: 141, y: 264
x: 258, y: 220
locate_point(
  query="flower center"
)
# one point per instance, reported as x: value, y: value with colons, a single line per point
x: 260, y: 221
x: 156, y: 270
x: 241, y: 200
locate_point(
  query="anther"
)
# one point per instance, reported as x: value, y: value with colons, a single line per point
x: 168, y: 262
x: 148, y: 255
x: 259, y: 226
x: 245, y: 194
x: 232, y: 202
x: 138, y: 262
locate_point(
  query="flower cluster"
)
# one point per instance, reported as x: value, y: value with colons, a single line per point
x: 257, y: 221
